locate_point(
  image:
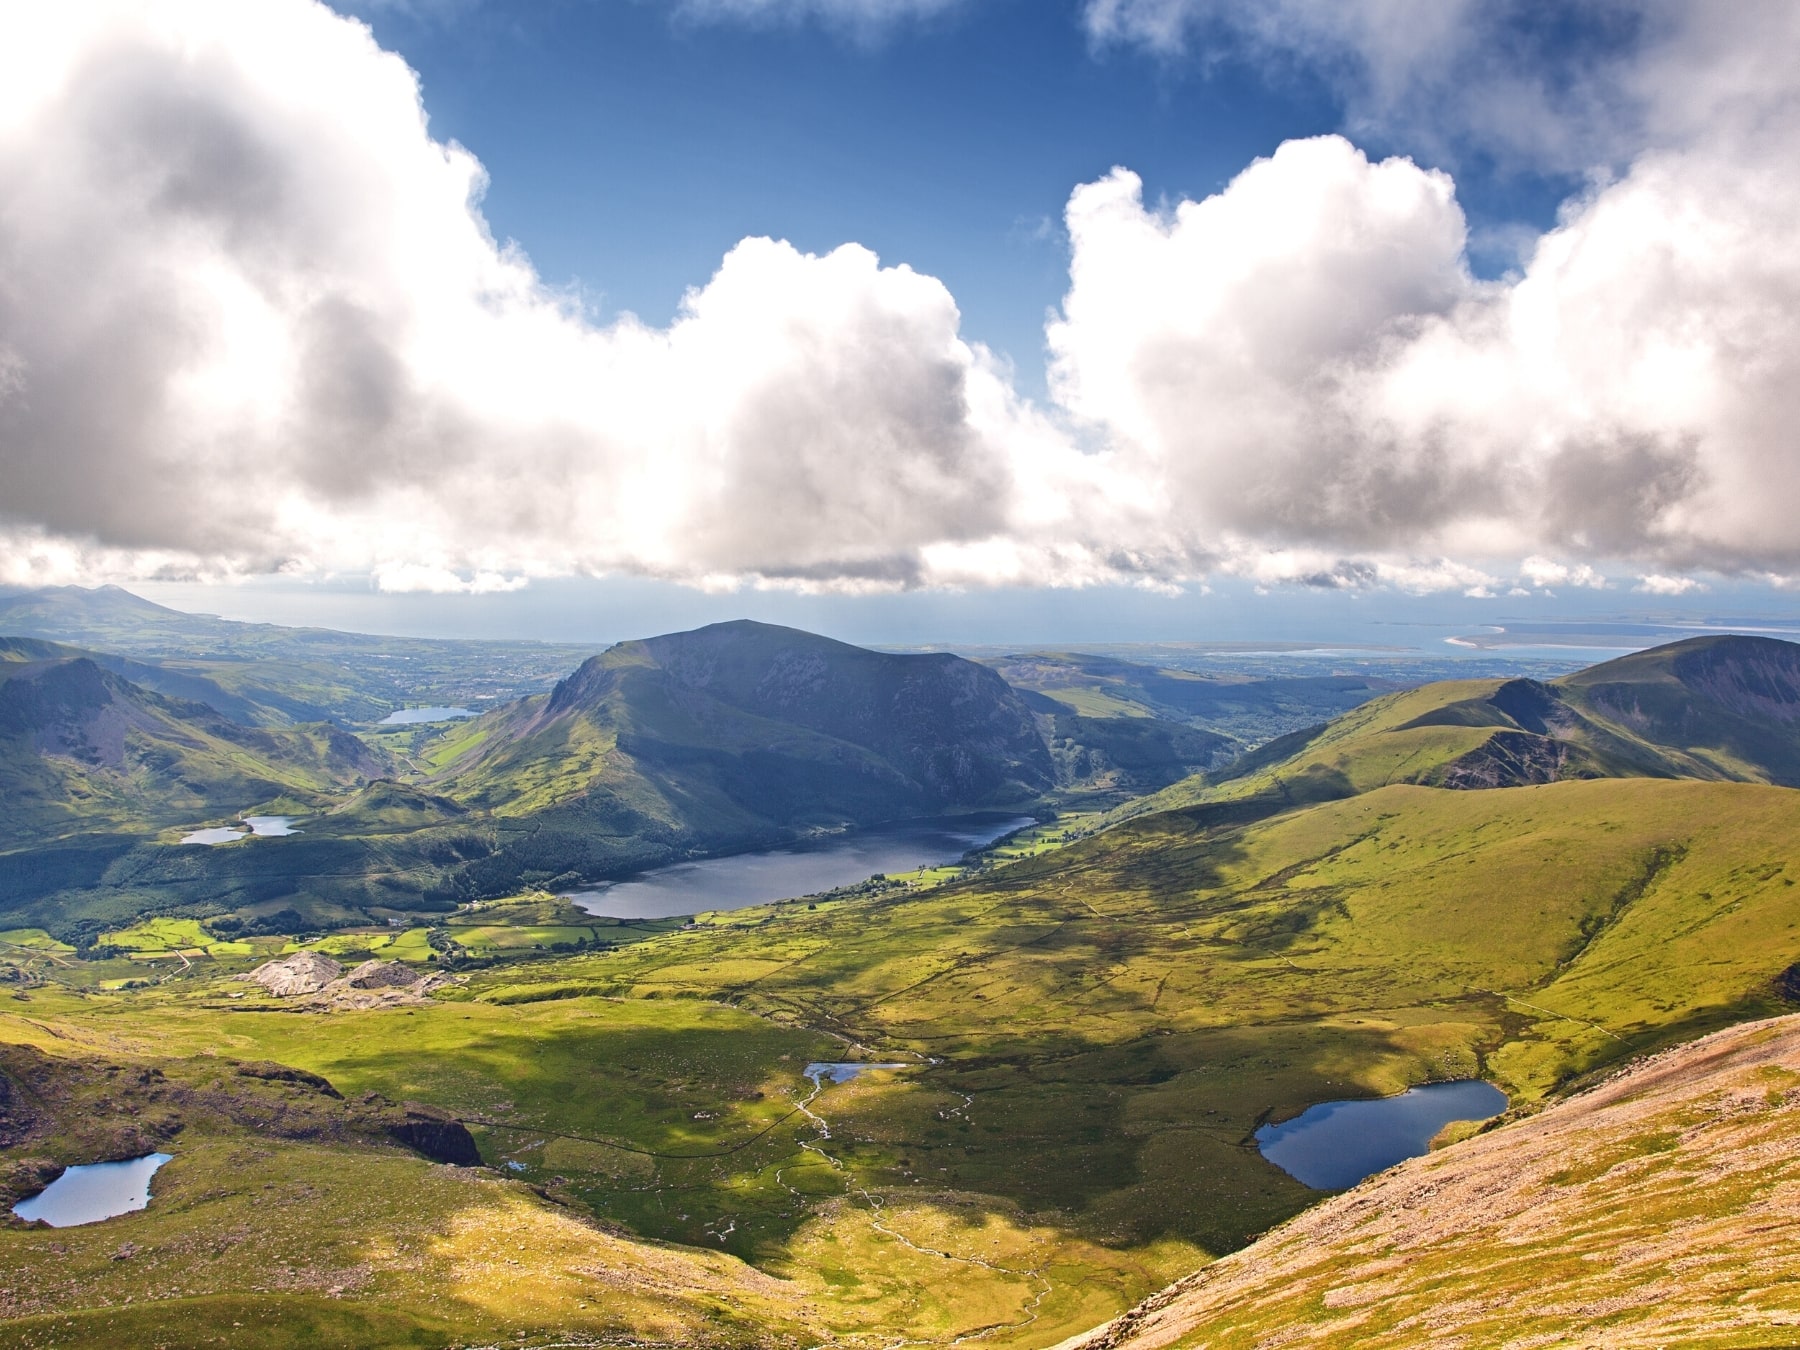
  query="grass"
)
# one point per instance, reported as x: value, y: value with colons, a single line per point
x: 32, y: 940
x: 1099, y: 1026
x: 1658, y: 1211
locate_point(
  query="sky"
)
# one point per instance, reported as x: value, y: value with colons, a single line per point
x: 1168, y: 317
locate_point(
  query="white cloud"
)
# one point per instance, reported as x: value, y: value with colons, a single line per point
x: 1542, y: 572
x: 1305, y: 358
x: 1588, y: 85
x: 252, y: 318
x: 1656, y: 584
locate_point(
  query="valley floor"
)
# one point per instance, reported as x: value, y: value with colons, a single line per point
x: 1093, y: 1034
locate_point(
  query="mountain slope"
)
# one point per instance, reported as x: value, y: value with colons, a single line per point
x: 1660, y: 1208
x: 85, y: 751
x: 1719, y: 708
x: 270, y: 675
x: 740, y: 733
x: 1246, y: 708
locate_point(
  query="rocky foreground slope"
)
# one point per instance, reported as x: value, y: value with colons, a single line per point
x: 1660, y: 1208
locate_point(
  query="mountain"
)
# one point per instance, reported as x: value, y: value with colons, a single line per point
x: 738, y: 734
x: 1723, y: 708
x: 1246, y: 708
x: 1566, y: 1228
x: 269, y: 675
x: 85, y: 751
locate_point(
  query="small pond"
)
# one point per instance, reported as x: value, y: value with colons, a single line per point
x: 268, y: 826
x: 746, y: 879
x: 844, y: 1072
x: 218, y: 834
x: 1336, y: 1144
x: 94, y: 1192
x: 405, y: 717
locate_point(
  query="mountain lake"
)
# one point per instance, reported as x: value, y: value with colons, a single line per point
x: 267, y: 826
x: 93, y: 1192
x: 1336, y: 1144
x: 746, y: 879
x: 405, y: 717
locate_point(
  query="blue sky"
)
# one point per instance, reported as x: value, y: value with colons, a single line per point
x: 1052, y: 319
x: 628, y: 148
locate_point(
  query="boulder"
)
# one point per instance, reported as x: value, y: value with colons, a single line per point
x: 301, y: 973
x: 383, y: 975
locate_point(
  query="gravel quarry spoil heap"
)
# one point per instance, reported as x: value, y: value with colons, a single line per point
x: 319, y: 981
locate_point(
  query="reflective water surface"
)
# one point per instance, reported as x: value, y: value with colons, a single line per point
x: 746, y: 879
x: 269, y: 826
x: 93, y: 1192
x: 844, y: 1071
x: 403, y: 717
x: 1337, y: 1144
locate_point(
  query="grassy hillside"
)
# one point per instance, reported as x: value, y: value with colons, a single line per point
x: 1094, y: 1033
x: 84, y: 751
x: 1722, y: 708
x: 735, y: 735
x: 1657, y: 1209
x: 1247, y: 708
x: 271, y: 675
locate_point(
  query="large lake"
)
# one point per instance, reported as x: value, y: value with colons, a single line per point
x: 747, y: 879
x: 406, y: 717
x: 93, y: 1192
x: 1337, y: 1144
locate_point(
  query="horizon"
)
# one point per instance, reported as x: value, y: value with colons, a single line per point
x: 1537, y: 642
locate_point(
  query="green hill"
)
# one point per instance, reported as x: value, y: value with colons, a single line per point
x: 1247, y: 708
x: 270, y: 675
x: 85, y: 751
x: 1089, y: 1036
x: 734, y: 735
x: 1720, y: 708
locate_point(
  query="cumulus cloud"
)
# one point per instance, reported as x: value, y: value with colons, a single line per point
x: 252, y: 316
x: 252, y: 319
x: 1657, y: 584
x: 1305, y: 357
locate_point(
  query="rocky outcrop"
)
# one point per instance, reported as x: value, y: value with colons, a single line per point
x: 296, y: 975
x: 436, y: 1134
x: 271, y: 1072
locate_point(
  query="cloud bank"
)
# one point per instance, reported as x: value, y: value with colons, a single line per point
x: 252, y: 320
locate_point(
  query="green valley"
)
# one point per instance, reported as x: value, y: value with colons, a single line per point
x: 1073, y: 1043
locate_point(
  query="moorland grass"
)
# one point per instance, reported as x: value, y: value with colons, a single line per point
x: 1097, y: 1030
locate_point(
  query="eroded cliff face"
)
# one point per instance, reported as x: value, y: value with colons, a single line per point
x: 1660, y: 1207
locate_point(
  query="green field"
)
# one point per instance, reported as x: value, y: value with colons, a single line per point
x: 1097, y: 1028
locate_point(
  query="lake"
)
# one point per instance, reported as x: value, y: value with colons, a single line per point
x: 844, y: 1071
x: 1337, y: 1144
x: 268, y: 826
x: 746, y: 879
x: 93, y: 1192
x: 403, y: 717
